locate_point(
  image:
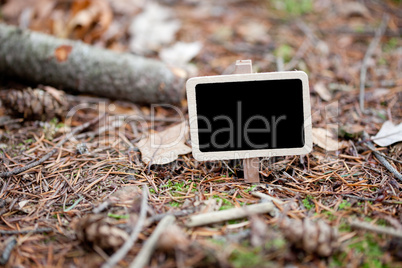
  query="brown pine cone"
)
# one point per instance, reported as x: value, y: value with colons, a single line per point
x: 97, y: 230
x: 313, y: 237
x: 35, y: 104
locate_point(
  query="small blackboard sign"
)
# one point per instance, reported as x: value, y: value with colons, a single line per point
x: 249, y: 115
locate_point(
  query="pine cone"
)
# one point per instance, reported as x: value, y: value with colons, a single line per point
x: 313, y: 237
x: 172, y: 238
x: 98, y: 230
x: 35, y: 104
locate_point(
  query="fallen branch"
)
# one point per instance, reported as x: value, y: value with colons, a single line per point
x: 122, y: 252
x: 375, y: 228
x: 46, y: 157
x: 82, y: 68
x: 147, y: 250
x: 370, y: 50
x: 229, y: 214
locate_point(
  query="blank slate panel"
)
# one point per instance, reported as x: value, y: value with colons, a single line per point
x: 241, y: 116
x: 250, y: 115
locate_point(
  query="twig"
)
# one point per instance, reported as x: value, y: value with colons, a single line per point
x: 373, y: 149
x: 299, y: 54
x: 371, y: 199
x: 73, y: 205
x: 280, y: 64
x: 179, y: 213
x: 34, y: 231
x: 308, y: 32
x: 370, y: 50
x: 101, y: 207
x: 145, y: 253
x: 122, y: 252
x: 10, y: 244
x: 230, y: 214
x: 78, y: 129
x: 375, y: 228
x: 382, y: 159
x: 268, y: 197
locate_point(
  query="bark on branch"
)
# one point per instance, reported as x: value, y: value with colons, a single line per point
x: 82, y: 68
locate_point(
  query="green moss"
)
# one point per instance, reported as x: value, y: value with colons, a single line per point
x: 308, y: 204
x: 391, y: 45
x: 370, y: 249
x: 293, y: 7
x: 117, y: 216
x: 344, y: 227
x: 344, y: 204
x: 247, y: 258
x: 251, y: 188
x: 284, y: 51
x: 175, y: 204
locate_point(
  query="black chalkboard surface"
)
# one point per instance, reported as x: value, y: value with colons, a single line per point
x: 249, y: 115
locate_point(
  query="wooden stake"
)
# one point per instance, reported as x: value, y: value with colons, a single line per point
x: 251, y: 165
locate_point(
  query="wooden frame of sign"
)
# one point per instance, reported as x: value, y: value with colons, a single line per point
x: 249, y: 115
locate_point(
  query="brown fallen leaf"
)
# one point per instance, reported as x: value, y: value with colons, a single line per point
x: 90, y: 19
x: 164, y: 147
x: 327, y: 140
x: 173, y: 238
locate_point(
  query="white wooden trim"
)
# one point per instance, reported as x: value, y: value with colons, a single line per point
x: 192, y: 110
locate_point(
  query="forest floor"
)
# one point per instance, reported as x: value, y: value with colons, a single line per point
x: 77, y: 208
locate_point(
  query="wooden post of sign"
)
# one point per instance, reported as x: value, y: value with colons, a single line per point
x: 251, y: 166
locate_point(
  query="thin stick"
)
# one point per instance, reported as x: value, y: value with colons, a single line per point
x: 11, y: 242
x: 371, y: 199
x: 179, y: 213
x: 122, y: 252
x: 78, y: 129
x: 375, y: 228
x: 34, y: 231
x: 370, y: 50
x: 147, y: 250
x: 382, y: 159
x: 229, y: 214
x: 383, y: 155
x: 268, y: 197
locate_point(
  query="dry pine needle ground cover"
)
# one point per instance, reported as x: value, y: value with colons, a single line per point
x: 78, y: 205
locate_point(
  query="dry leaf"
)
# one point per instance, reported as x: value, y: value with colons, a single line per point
x: 153, y: 28
x: 388, y: 134
x: 62, y: 52
x: 254, y: 32
x: 322, y: 90
x: 180, y: 53
x: 165, y: 146
x: 353, y: 8
x: 351, y: 131
x: 326, y: 140
x: 172, y: 238
x: 127, y: 193
x: 126, y: 7
x: 12, y: 10
x: 86, y: 15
